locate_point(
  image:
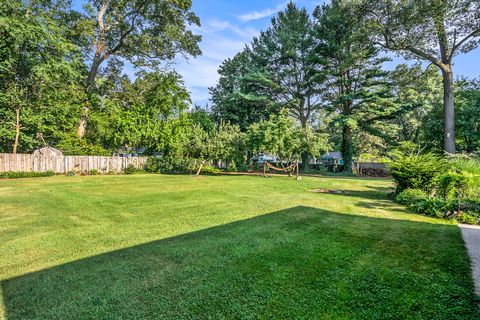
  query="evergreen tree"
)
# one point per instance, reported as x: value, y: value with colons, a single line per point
x: 356, y: 87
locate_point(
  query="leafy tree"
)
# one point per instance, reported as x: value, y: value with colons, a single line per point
x: 274, y: 72
x: 467, y: 100
x: 136, y: 115
x: 38, y: 68
x: 285, y: 52
x: 356, y: 89
x: 420, y: 91
x: 243, y: 94
x: 221, y: 143
x: 430, y: 30
x: 144, y: 32
x: 467, y: 104
x: 283, y: 137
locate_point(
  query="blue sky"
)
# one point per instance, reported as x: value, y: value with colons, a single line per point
x: 227, y: 25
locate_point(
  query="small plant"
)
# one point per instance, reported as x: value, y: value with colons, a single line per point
x: 411, y: 196
x: 131, y: 169
x: 232, y: 167
x: 18, y: 175
x: 210, y: 170
x: 94, y: 172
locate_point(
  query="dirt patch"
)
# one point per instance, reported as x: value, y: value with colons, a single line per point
x: 328, y: 191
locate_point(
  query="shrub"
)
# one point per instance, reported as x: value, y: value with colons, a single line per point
x: 232, y: 167
x: 131, y: 169
x: 470, y: 169
x: 169, y: 165
x: 94, y: 172
x: 416, y: 171
x: 153, y: 165
x: 17, y: 175
x: 411, y: 196
x: 209, y: 169
x: 465, y: 211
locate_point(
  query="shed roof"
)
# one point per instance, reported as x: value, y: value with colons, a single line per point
x: 333, y: 155
x: 47, y: 152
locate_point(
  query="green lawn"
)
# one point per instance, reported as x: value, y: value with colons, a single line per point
x: 234, y: 247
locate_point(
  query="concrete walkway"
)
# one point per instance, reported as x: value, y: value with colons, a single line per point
x: 471, y: 236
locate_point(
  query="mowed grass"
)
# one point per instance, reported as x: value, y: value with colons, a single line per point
x: 224, y: 247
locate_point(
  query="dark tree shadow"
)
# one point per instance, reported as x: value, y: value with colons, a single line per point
x: 297, y: 263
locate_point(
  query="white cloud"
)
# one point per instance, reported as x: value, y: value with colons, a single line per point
x: 255, y: 15
x: 220, y: 25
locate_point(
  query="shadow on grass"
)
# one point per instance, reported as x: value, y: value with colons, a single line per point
x: 297, y: 263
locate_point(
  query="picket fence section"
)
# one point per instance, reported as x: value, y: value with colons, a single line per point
x: 64, y: 164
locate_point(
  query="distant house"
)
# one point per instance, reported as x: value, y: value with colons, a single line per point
x: 265, y: 158
x: 126, y: 152
x: 333, y: 158
x: 47, y: 152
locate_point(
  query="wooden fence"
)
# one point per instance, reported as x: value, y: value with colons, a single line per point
x: 64, y: 164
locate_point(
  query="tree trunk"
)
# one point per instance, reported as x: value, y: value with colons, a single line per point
x: 200, y: 168
x: 449, y: 110
x: 82, y: 124
x: 17, y: 130
x: 305, y: 161
x: 347, y: 149
x: 97, y: 61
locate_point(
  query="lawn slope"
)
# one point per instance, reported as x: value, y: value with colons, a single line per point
x: 149, y: 246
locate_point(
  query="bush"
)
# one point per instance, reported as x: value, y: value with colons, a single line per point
x: 411, y: 196
x: 416, y: 171
x: 94, y: 172
x: 209, y: 169
x: 232, y: 167
x: 17, y: 175
x: 470, y: 169
x: 131, y: 169
x: 465, y: 211
x: 170, y: 165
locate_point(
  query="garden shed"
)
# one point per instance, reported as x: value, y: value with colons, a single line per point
x: 47, y: 152
x: 331, y: 158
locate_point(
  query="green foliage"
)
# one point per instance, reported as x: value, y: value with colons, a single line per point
x: 411, y: 196
x: 40, y: 74
x: 454, y: 189
x: 71, y: 145
x: 210, y: 170
x: 277, y: 71
x: 232, y: 167
x: 142, y: 114
x: 17, y: 175
x: 93, y: 172
x: 464, y: 211
x: 167, y: 164
x: 131, y: 169
x: 416, y: 171
x: 283, y: 137
x: 467, y: 109
x: 357, y: 90
x: 462, y: 180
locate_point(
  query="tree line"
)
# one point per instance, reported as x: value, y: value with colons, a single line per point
x: 328, y: 70
x: 309, y: 83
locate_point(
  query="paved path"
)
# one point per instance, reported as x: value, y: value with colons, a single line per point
x: 471, y: 235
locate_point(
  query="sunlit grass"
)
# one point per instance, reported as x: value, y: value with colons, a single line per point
x: 248, y: 246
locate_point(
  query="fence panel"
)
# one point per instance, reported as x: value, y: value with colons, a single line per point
x: 62, y: 164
